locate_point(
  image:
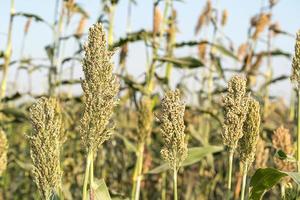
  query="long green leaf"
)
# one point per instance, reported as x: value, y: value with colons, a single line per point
x: 264, y: 179
x: 195, y: 154
x: 183, y: 62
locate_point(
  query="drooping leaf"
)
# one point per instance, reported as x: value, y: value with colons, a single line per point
x: 131, y: 83
x: 100, y: 190
x: 183, y: 62
x: 18, y: 114
x: 133, y: 37
x: 12, y: 97
x: 37, y: 18
x: 264, y: 179
x: 195, y: 154
x: 224, y: 51
x: 220, y: 48
x: 277, y: 52
x: 128, y: 144
x: 276, y: 79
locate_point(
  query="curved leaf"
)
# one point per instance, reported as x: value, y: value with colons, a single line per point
x: 264, y: 179
x: 183, y: 62
x: 100, y: 190
x: 195, y: 154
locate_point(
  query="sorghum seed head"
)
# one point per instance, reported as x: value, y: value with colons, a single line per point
x: 45, y: 145
x: 260, y: 22
x: 145, y: 119
x: 224, y: 17
x: 172, y: 128
x: 282, y: 140
x: 235, y: 110
x: 251, y: 132
x: 261, y: 155
x: 204, y: 17
x: 3, y: 152
x: 100, y: 89
x: 157, y: 20
x: 295, y: 77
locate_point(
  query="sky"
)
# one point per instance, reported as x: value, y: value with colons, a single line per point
x: 286, y: 13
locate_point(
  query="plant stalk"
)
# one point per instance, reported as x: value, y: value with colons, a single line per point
x: 298, y: 138
x: 230, y: 162
x: 87, y: 175
x: 175, y: 183
x: 164, y: 185
x: 7, y: 53
x: 137, y: 176
x: 111, y: 24
x: 245, y: 170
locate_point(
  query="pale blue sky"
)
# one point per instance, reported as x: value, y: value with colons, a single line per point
x: 286, y: 13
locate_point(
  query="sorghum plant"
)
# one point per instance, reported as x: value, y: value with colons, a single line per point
x: 282, y: 140
x: 145, y: 119
x: 172, y: 128
x: 100, y: 89
x: 295, y: 78
x: 247, y: 145
x: 235, y: 110
x: 45, y: 143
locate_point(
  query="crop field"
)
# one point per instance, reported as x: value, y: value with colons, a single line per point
x: 149, y: 100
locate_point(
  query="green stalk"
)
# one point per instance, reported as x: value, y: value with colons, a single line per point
x: 230, y: 162
x: 87, y: 175
x: 91, y: 174
x: 137, y: 176
x: 292, y: 107
x: 7, y: 53
x: 298, y: 138
x: 298, y: 132
x: 164, y: 185
x: 175, y: 183
x: 170, y: 46
x: 53, y: 60
x: 111, y: 24
x: 282, y: 190
x: 245, y: 169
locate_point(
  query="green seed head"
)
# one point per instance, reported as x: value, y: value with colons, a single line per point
x: 235, y: 109
x: 3, y: 152
x: 100, y: 90
x: 251, y: 132
x: 172, y: 128
x: 295, y: 77
x: 45, y: 145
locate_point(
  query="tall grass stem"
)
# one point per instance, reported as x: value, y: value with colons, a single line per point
x: 137, y: 177
x: 230, y: 162
x: 86, y: 176
x: 245, y: 170
x: 175, y: 183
